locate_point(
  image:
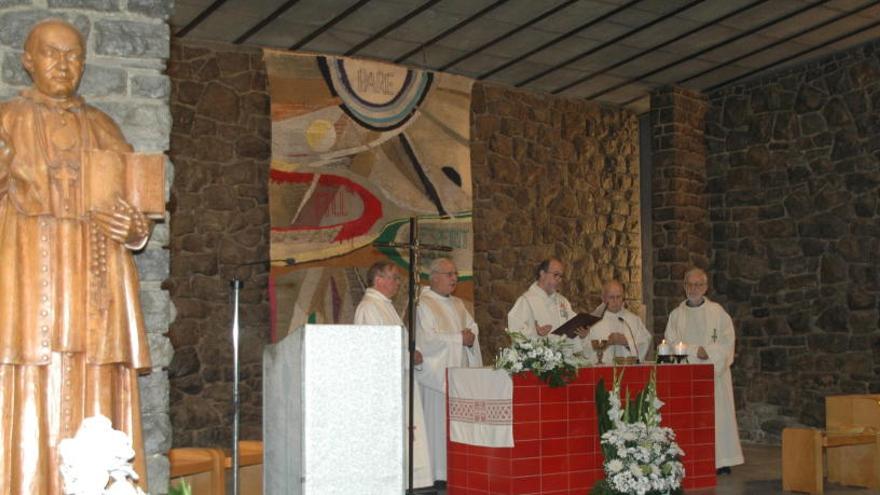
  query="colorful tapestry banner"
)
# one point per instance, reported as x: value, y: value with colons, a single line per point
x: 359, y: 147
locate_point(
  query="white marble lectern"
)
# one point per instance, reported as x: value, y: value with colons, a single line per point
x: 333, y: 411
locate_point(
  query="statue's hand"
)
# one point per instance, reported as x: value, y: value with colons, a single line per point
x: 125, y: 224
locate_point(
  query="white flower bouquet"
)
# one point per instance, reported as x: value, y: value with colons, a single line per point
x: 97, y: 460
x: 555, y: 361
x: 641, y: 457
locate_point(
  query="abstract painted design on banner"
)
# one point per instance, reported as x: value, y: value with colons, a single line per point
x: 359, y: 147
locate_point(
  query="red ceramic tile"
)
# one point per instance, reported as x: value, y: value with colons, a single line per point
x: 498, y: 467
x: 684, y: 436
x: 478, y: 463
x: 553, y: 429
x: 526, y: 431
x: 704, y: 468
x: 553, y: 394
x: 704, y: 420
x: 680, y: 389
x: 478, y: 481
x: 581, y: 392
x: 703, y: 388
x: 554, y: 446
x: 580, y: 480
x: 500, y: 485
x: 554, y: 482
x: 526, y: 485
x: 554, y: 464
x: 455, y: 477
x: 525, y: 380
x: 579, y: 445
x: 704, y: 404
x: 526, y: 467
x: 703, y: 372
x: 554, y: 411
x: 680, y: 373
x: 702, y: 481
x: 704, y: 435
x: 526, y: 448
x: 678, y: 404
x: 526, y: 412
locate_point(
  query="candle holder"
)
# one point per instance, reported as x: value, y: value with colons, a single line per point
x: 679, y: 358
x: 664, y: 358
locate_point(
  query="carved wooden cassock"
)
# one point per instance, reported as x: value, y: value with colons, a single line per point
x: 72, y: 337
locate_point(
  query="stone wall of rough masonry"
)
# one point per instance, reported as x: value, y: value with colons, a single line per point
x: 552, y: 176
x: 220, y: 144
x: 680, y: 209
x: 794, y: 188
x: 127, y: 45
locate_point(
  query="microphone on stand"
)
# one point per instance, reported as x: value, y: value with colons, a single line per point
x: 631, y: 336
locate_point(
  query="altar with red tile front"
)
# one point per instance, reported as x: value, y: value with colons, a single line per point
x: 555, y: 434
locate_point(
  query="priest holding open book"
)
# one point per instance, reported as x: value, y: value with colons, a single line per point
x: 541, y: 309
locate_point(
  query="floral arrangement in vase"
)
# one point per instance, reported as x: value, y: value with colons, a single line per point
x: 641, y: 457
x: 97, y: 460
x: 554, y: 361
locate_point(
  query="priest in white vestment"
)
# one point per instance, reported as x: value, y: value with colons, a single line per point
x: 448, y: 338
x: 376, y: 308
x: 707, y: 331
x: 624, y: 330
x: 541, y: 309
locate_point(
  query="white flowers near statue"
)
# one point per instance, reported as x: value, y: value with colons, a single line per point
x: 641, y: 457
x: 97, y: 460
x: 555, y: 361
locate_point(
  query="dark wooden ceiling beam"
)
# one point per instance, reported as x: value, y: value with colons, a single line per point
x: 648, y: 51
x: 199, y: 18
x: 708, y: 49
x: 450, y: 30
x: 608, y: 43
x: 391, y: 27
x: 780, y: 41
x: 562, y: 37
x: 332, y: 22
x: 801, y: 53
x: 266, y: 21
x: 507, y: 35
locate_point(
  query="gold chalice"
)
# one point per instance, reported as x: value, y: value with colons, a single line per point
x: 599, y: 346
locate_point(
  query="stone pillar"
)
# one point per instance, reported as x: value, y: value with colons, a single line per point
x: 127, y: 44
x: 680, y: 229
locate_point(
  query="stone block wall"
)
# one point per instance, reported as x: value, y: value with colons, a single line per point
x: 552, y: 177
x: 794, y: 186
x: 220, y: 143
x: 680, y: 209
x: 127, y: 46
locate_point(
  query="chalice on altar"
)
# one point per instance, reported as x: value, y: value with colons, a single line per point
x: 599, y: 346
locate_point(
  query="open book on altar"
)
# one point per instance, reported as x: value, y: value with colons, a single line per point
x: 138, y: 178
x: 579, y: 320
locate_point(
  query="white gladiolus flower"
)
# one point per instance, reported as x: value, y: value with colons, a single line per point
x: 97, y: 456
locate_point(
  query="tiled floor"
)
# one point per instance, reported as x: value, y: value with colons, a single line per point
x: 761, y: 475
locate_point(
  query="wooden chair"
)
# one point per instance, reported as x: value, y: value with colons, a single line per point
x: 202, y: 468
x: 250, y: 466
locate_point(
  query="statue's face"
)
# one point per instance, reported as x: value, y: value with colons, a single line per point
x: 55, y: 60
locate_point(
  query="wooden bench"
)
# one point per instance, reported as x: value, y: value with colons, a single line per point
x: 202, y: 468
x: 850, y: 443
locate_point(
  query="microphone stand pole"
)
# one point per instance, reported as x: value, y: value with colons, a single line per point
x: 236, y: 405
x: 237, y: 285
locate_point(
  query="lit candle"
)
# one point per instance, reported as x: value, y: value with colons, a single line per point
x: 680, y: 349
x: 663, y: 349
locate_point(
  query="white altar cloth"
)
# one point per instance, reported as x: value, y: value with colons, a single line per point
x: 480, y: 407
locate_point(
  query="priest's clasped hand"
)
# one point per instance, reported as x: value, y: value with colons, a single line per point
x: 702, y: 354
x: 467, y: 337
x: 417, y: 358
x: 617, y: 338
x: 582, y: 332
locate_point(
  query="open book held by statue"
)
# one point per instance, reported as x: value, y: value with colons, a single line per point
x: 75, y: 201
